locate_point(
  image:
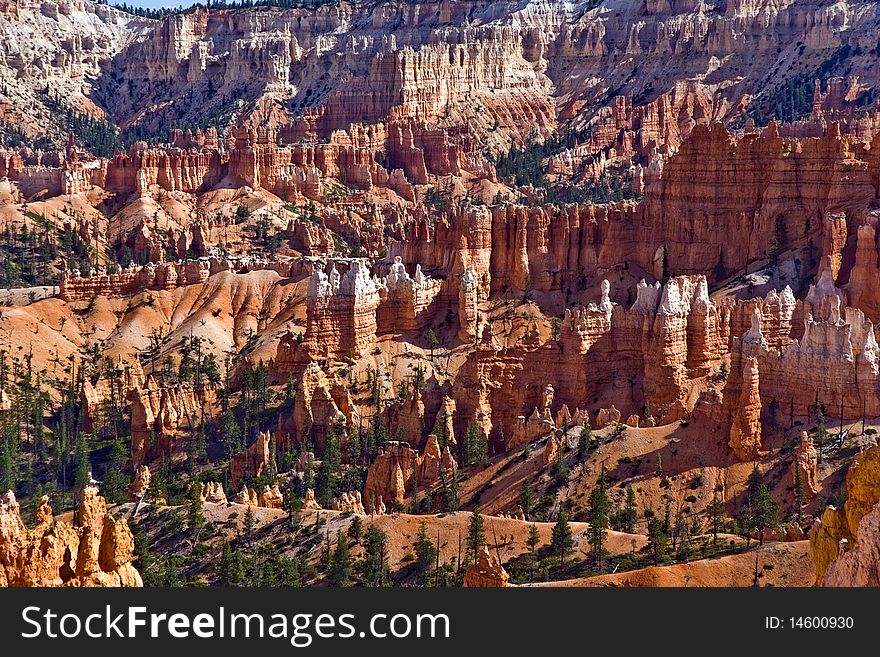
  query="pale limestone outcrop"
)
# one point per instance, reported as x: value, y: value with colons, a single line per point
x: 407, y: 302
x: 322, y: 402
x: 554, y: 447
x: 246, y: 496
x: 309, y: 501
x: 607, y: 416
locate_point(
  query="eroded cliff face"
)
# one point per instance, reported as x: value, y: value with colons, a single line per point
x: 399, y: 471
x: 63, y: 46
x: 843, y: 542
x: 97, y: 550
x: 162, y: 417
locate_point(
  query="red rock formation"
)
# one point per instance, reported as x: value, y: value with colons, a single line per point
x: 486, y: 573
x: 322, y: 402
x: 95, y: 551
x: 349, y: 502
x: 407, y: 302
x: 108, y: 392
x: 742, y: 400
x: 715, y: 186
x: 160, y: 416
x: 862, y: 288
x: 843, y: 543
x: 804, y: 467
x: 252, y: 462
x: 398, y: 469
x: 341, y: 312
x: 406, y: 419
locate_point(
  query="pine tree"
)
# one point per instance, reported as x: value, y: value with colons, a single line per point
x: 630, y: 512
x: 476, y: 536
x: 533, y: 541
x: 326, y: 552
x: 294, y: 498
x: 354, y: 529
x: 340, y: 568
x: 195, y: 518
x: 561, y: 540
x: 765, y: 511
x: 657, y: 539
x: 450, y: 489
x: 716, y: 508
x: 526, y: 497
x: 249, y: 522
x: 476, y: 447
x: 560, y: 468
x: 83, y: 468
x: 375, y: 560
x: 424, y: 549
x: 328, y: 471
x: 585, y: 443
x: 597, y: 514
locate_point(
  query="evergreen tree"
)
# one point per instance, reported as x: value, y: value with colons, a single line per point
x: 83, y: 467
x: 354, y: 529
x: 115, y: 482
x: 440, y: 429
x: 195, y: 517
x: 476, y: 536
x: 340, y: 568
x: 249, y: 522
x: 326, y: 552
x: 585, y: 443
x: 597, y: 514
x: 328, y: 471
x: 526, y: 497
x: 450, y: 489
x: 533, y: 541
x: 294, y: 499
x: 560, y: 468
x: 630, y: 512
x: 561, y: 540
x: 657, y: 540
x: 424, y: 549
x: 476, y: 446
x: 765, y: 511
x: 716, y: 509
x: 375, y: 560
